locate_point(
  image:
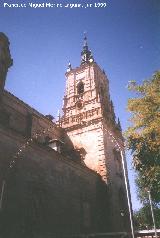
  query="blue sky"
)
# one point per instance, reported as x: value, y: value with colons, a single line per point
x: 124, y: 38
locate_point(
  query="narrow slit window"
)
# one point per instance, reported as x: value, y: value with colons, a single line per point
x: 80, y: 88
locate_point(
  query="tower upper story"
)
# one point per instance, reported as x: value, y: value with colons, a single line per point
x: 87, y: 96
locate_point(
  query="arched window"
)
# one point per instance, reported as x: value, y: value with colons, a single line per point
x: 80, y: 88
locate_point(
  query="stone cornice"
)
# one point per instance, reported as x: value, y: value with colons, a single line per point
x: 77, y: 70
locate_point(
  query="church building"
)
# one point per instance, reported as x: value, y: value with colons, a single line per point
x: 64, y: 178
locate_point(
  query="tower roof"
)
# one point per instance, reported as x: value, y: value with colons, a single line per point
x: 86, y: 54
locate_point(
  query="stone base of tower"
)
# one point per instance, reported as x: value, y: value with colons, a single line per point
x: 99, y: 156
x: 90, y: 138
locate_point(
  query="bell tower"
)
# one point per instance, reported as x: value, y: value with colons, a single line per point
x: 90, y: 122
x: 88, y: 112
